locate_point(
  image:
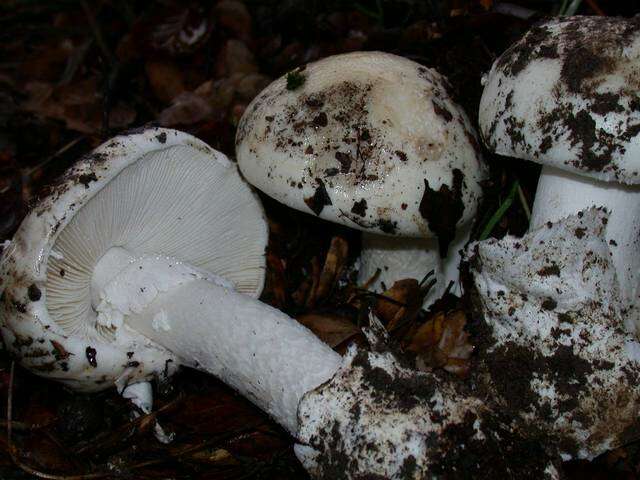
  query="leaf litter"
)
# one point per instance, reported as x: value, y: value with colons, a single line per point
x: 76, y: 73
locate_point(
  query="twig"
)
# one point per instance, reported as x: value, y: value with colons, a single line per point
x: 523, y: 202
x: 30, y: 171
x: 595, y: 7
x: 106, y: 438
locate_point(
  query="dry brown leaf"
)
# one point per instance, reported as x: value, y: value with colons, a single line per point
x: 315, y: 279
x: 235, y: 57
x: 234, y: 16
x: 46, y: 62
x: 333, y: 265
x: 331, y: 329
x: 187, y: 108
x: 399, y: 306
x: 77, y: 104
x: 275, y: 285
x: 249, y: 85
x: 165, y: 79
x: 216, y: 456
x: 181, y: 30
x: 404, y: 302
x: 442, y: 342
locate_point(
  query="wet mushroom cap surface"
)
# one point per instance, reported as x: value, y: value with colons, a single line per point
x: 155, y: 191
x: 565, y: 95
x: 367, y: 139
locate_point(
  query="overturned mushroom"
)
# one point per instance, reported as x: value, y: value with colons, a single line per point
x: 158, y: 192
x: 149, y: 255
x: 553, y: 344
x: 565, y: 96
x: 372, y: 141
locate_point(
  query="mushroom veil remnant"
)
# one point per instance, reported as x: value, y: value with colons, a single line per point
x: 565, y: 96
x: 553, y: 343
x: 375, y: 142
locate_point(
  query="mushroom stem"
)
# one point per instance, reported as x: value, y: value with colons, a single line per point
x: 264, y: 354
x: 400, y: 258
x: 561, y: 193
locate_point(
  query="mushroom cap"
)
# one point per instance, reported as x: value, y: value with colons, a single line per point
x: 155, y: 191
x: 565, y: 95
x: 366, y: 139
x: 552, y: 339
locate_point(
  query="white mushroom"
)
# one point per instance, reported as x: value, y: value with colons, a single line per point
x: 139, y: 227
x: 372, y: 141
x: 159, y: 250
x: 565, y: 96
x: 553, y: 343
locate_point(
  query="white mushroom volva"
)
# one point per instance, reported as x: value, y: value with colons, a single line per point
x: 392, y: 421
x: 566, y: 96
x: 553, y: 344
x: 375, y: 142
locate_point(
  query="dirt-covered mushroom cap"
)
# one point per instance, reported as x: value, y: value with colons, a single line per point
x: 565, y: 95
x: 158, y: 191
x: 367, y: 139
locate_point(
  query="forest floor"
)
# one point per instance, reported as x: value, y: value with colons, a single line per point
x: 74, y: 73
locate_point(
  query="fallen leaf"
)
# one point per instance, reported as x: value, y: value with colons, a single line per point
x: 77, y: 104
x: 165, y: 80
x: 248, y: 86
x: 234, y: 17
x: 442, y: 342
x: 235, y: 57
x: 181, y: 31
x: 333, y: 265
x: 400, y: 303
x: 186, y: 109
x: 47, y: 62
x: 331, y: 329
x: 216, y: 456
